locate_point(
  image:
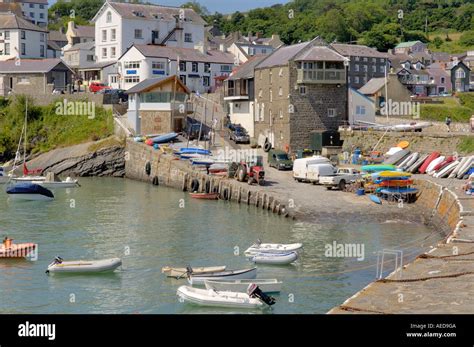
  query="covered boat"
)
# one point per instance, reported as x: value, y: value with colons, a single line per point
x: 273, y: 248
x: 265, y: 285
x: 199, y: 279
x: 181, y: 272
x: 83, y: 266
x: 274, y: 258
x: 164, y: 138
x: 29, y: 191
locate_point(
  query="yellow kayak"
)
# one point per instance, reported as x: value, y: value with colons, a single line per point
x: 393, y: 174
x: 403, y: 144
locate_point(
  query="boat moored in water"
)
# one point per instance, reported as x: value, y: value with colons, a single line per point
x: 207, y: 196
x: 29, y: 192
x: 199, y: 279
x: 181, y: 272
x: 83, y: 266
x: 266, y: 285
x: 21, y: 250
x: 274, y: 258
x: 273, y: 248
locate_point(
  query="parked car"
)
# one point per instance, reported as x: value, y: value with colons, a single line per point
x: 115, y: 95
x: 444, y: 94
x: 239, y: 135
x: 94, y: 87
x: 279, y: 160
x: 340, y: 178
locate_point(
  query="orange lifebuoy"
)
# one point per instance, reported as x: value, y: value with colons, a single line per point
x: 287, y: 148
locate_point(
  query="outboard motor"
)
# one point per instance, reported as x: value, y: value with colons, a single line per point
x: 254, y: 292
x: 259, y: 242
x: 189, y: 270
x: 57, y: 260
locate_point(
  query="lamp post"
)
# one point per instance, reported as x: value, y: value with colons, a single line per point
x: 346, y: 65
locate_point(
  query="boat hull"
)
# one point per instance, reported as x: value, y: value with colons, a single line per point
x: 211, y: 298
x: 180, y: 272
x: 30, y: 197
x: 274, y: 259
x: 84, y: 266
x: 273, y: 248
x: 205, y: 196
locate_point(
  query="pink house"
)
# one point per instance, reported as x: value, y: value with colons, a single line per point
x: 440, y: 78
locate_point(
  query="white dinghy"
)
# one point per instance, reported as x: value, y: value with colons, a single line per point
x: 254, y: 298
x: 231, y: 274
x: 83, y: 266
x: 274, y: 258
x: 265, y: 285
x: 273, y: 248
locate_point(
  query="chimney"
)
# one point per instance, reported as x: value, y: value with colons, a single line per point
x: 258, y: 34
x: 275, y: 37
x: 222, y: 47
x: 249, y: 36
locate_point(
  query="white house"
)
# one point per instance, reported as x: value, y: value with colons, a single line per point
x: 361, y: 108
x: 35, y: 11
x: 21, y: 39
x: 119, y: 25
x: 198, y: 71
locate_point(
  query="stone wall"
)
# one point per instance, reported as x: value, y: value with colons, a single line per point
x: 437, y: 127
x: 419, y: 142
x: 48, y: 99
x: 166, y: 171
x: 155, y: 122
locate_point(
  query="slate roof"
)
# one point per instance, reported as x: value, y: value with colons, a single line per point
x: 185, y: 54
x: 373, y: 86
x: 247, y: 70
x: 12, y: 21
x: 30, y: 65
x: 357, y: 51
x: 282, y: 55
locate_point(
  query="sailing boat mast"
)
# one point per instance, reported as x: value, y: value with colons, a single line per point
x: 26, y: 124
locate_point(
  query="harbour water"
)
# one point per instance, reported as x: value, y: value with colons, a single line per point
x: 150, y: 227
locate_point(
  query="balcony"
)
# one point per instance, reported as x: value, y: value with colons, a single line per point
x: 321, y: 76
x: 415, y: 80
x: 236, y: 90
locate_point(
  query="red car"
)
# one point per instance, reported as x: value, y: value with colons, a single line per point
x: 96, y: 86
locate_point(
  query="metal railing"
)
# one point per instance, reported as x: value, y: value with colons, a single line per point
x: 321, y: 76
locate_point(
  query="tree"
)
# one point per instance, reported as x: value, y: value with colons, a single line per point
x: 437, y: 42
x: 197, y: 7
x: 382, y: 36
x: 467, y: 39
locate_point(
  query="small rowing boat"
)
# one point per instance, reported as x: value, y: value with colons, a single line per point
x: 274, y: 258
x: 213, y: 298
x: 83, y: 266
x: 273, y: 248
x: 207, y: 196
x: 194, y: 279
x: 266, y: 285
x: 375, y: 199
x: 181, y: 272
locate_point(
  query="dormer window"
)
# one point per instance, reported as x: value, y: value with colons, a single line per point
x: 138, y: 14
x: 109, y: 17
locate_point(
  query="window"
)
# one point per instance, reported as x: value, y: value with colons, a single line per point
x: 280, y: 73
x: 360, y: 110
x: 188, y: 37
x: 104, y: 35
x: 23, y: 34
x: 23, y: 49
x: 206, y: 81
x: 90, y: 57
x: 113, y: 79
x: 182, y: 78
x: 207, y: 67
x: 260, y: 93
x: 356, y: 79
x: 42, y: 15
x: 262, y: 113
x: 374, y: 60
x: 194, y: 67
x: 382, y: 69
x: 366, y: 59
x: 32, y: 5
x: 271, y: 95
x: 158, y: 65
x: 32, y: 15
x: 270, y: 76
x: 7, y: 35
x: 460, y: 73
x: 280, y: 113
x: 7, y: 49
x: 303, y: 90
x: 113, y: 34
x: 226, y: 68
x: 356, y: 67
x: 23, y: 80
x: 112, y: 52
x: 374, y: 68
x: 138, y: 34
x: 42, y: 51
x: 109, y: 17
x: 182, y: 66
x: 365, y: 68
x: 42, y: 7
x: 104, y: 52
x: 42, y: 37
x: 382, y: 60
x: 264, y: 51
x: 357, y: 58
x: 280, y: 91
x: 132, y: 79
x: 331, y: 112
x: 443, y: 80
x: 131, y: 65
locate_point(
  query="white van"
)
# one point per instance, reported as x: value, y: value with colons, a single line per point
x: 318, y: 170
x: 300, y: 166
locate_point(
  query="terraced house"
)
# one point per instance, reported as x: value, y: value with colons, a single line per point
x: 299, y: 90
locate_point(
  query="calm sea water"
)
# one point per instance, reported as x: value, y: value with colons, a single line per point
x: 150, y: 227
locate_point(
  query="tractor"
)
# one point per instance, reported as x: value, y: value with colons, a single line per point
x: 251, y: 170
